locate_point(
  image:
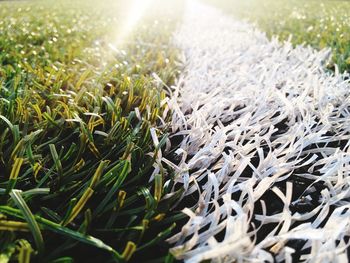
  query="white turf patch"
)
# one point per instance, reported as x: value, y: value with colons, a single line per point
x: 266, y: 144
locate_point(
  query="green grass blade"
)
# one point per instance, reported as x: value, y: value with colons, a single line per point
x: 64, y: 231
x: 29, y: 217
x: 56, y: 159
x: 25, y: 250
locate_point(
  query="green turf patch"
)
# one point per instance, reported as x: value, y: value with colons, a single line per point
x: 320, y: 24
x: 80, y: 133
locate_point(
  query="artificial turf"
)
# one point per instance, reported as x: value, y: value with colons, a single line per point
x: 319, y: 23
x: 83, y: 121
x: 82, y: 127
x: 266, y: 145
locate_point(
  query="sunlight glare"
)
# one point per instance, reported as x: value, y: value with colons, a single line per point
x: 135, y: 11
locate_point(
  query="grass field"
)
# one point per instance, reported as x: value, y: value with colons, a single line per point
x: 80, y: 131
x: 321, y: 24
x: 84, y: 120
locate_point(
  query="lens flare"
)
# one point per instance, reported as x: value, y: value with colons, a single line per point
x: 135, y: 11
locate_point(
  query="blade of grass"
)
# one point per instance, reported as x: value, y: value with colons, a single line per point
x: 57, y: 228
x: 14, y: 174
x: 25, y: 250
x: 29, y: 217
x: 56, y: 159
x: 120, y: 179
x: 13, y: 226
x: 129, y: 251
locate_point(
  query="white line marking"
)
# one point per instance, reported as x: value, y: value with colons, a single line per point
x: 258, y: 117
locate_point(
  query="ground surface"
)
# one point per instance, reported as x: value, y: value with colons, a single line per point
x: 79, y: 130
x: 116, y: 116
x: 319, y: 23
x: 265, y: 153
